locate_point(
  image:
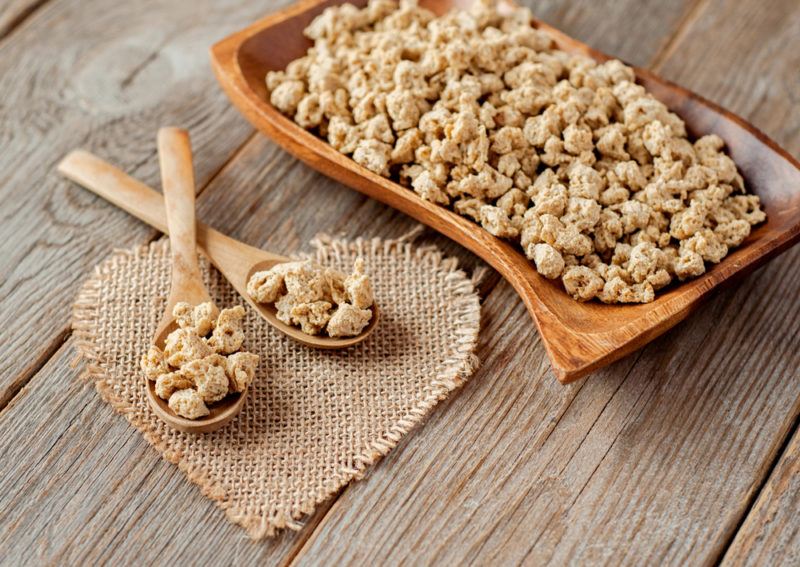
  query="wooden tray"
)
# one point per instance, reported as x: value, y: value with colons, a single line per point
x: 578, y: 337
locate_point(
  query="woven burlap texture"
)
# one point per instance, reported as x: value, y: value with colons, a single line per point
x: 314, y: 420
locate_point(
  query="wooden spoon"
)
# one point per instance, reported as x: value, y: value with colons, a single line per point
x: 177, y: 178
x: 235, y: 260
x: 578, y: 337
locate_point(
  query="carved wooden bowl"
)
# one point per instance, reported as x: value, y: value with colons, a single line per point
x: 578, y: 337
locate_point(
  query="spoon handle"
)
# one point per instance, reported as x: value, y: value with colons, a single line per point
x: 116, y: 187
x: 136, y: 198
x: 177, y: 177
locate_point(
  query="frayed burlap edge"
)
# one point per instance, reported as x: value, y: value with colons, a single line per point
x: 461, y: 363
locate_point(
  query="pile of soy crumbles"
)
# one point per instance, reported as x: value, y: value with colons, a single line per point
x: 476, y: 110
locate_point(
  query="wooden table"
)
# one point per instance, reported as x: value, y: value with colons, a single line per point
x: 687, y: 451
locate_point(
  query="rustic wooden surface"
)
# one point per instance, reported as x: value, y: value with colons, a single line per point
x: 685, y: 452
x: 770, y: 534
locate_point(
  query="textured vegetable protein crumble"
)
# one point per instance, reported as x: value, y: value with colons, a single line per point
x: 476, y: 110
x: 202, y: 361
x: 315, y: 298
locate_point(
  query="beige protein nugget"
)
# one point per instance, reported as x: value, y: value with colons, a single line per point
x: 317, y: 299
x: 202, y: 361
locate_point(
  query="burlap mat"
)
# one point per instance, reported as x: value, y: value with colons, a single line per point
x: 314, y: 420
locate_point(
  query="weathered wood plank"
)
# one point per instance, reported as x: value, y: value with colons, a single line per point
x: 653, y: 461
x: 743, y: 55
x: 632, y: 31
x: 771, y: 535
x: 85, y: 489
x: 103, y: 75
x: 496, y: 467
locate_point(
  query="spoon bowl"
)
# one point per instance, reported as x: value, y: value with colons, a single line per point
x: 221, y: 412
x: 578, y: 337
x: 238, y: 262
x: 268, y: 312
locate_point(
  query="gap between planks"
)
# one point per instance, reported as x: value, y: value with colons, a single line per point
x: 687, y: 21
x: 781, y: 451
x: 7, y: 396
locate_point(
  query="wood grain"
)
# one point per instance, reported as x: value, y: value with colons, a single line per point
x: 15, y: 12
x: 85, y: 489
x: 635, y: 32
x: 771, y: 535
x: 105, y: 75
x: 755, y: 75
x: 650, y: 462
x: 659, y: 455
x: 579, y: 337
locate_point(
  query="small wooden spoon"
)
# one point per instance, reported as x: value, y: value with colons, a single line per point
x: 177, y: 177
x: 235, y: 260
